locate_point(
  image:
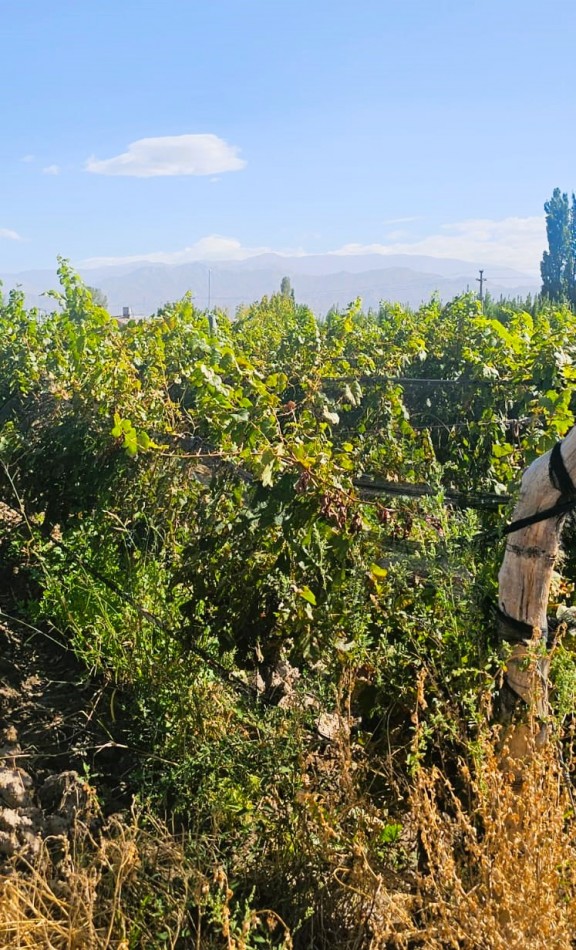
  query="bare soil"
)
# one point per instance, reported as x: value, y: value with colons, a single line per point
x: 63, y: 754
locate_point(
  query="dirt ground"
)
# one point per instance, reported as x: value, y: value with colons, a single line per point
x: 63, y: 755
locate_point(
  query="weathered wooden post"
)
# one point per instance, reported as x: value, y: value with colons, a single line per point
x: 546, y: 494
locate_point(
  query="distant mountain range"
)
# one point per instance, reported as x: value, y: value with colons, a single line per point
x: 320, y: 281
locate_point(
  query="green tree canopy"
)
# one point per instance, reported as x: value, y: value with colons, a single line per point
x: 558, y: 262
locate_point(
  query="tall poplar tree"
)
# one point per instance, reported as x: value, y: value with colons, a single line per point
x: 286, y: 288
x: 557, y: 267
x: 572, y: 274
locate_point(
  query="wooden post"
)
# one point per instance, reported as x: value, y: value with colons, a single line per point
x: 524, y: 587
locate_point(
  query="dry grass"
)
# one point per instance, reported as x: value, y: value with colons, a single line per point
x: 123, y: 890
x: 482, y: 863
x: 501, y: 868
x: 497, y: 865
x: 485, y: 866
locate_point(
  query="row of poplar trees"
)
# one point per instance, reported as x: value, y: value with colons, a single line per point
x: 558, y: 267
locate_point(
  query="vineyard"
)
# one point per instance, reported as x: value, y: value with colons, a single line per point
x: 268, y: 548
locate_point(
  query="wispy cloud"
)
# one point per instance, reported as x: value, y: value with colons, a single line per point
x: 27, y: 159
x: 204, y: 154
x: 510, y: 242
x: 51, y: 170
x: 9, y: 235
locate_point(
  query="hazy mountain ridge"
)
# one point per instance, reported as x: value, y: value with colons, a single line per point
x: 321, y: 281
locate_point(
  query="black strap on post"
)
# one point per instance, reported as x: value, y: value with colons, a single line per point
x: 561, y: 480
x: 512, y: 630
x: 559, y: 474
x: 517, y: 631
x: 557, y: 510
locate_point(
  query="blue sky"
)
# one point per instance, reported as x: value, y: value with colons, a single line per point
x: 181, y: 130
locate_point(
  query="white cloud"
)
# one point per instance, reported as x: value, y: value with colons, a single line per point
x: 9, y: 235
x: 215, y: 247
x: 27, y: 159
x: 204, y: 154
x: 51, y: 170
x: 511, y: 242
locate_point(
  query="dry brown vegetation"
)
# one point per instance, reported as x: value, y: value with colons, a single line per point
x: 87, y: 892
x: 501, y: 861
x: 485, y: 865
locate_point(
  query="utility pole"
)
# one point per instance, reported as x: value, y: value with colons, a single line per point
x: 481, y: 280
x: 212, y: 322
